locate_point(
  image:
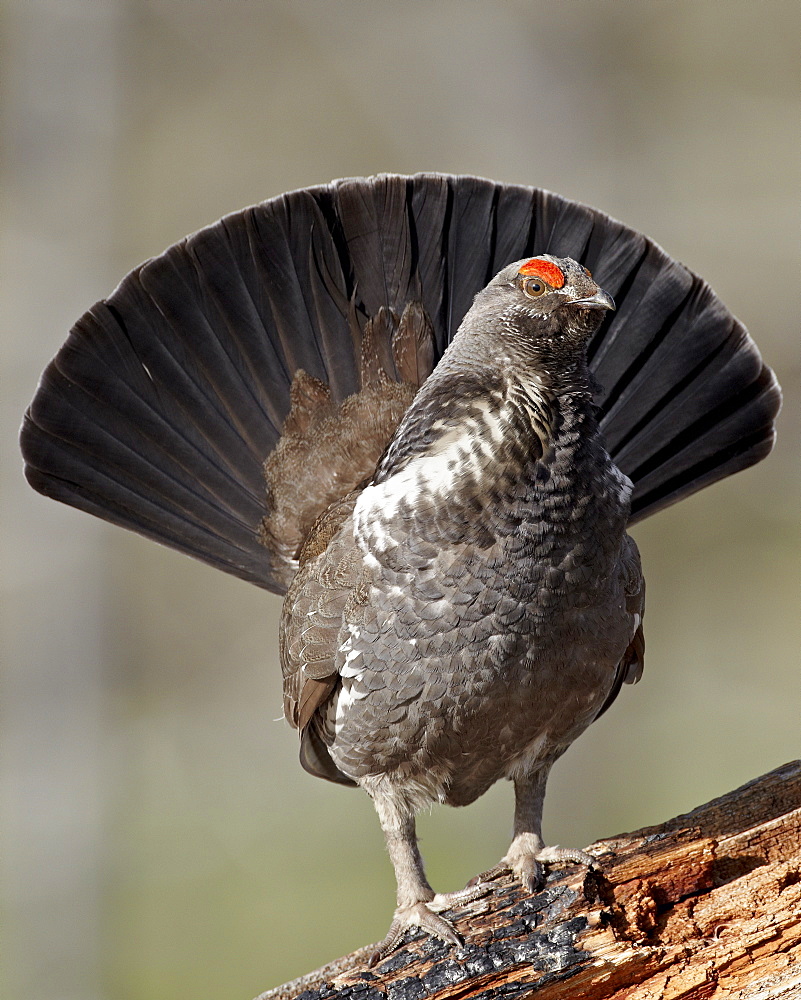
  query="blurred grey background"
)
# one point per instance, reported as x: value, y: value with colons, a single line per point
x: 160, y: 838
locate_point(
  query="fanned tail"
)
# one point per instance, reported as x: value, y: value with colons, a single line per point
x: 165, y: 402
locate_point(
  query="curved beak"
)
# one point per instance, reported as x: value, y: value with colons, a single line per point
x: 601, y: 300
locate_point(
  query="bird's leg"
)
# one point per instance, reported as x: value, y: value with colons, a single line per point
x: 417, y: 902
x: 527, y: 853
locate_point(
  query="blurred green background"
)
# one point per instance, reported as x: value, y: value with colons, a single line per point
x: 160, y: 838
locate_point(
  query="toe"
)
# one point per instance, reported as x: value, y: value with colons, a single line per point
x: 474, y: 889
x: 529, y: 871
x: 417, y: 915
x: 525, y: 868
x: 500, y: 869
x: 525, y: 862
x: 553, y: 855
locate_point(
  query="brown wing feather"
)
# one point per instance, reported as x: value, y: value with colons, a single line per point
x: 313, y: 612
x: 325, y: 455
x: 326, y: 450
x: 630, y: 668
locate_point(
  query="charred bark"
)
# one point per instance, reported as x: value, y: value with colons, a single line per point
x: 707, y: 905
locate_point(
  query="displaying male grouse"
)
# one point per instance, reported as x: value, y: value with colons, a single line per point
x: 331, y: 396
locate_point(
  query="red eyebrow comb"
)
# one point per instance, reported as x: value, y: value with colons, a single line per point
x: 544, y: 269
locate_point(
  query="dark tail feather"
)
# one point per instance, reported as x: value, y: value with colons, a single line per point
x: 162, y: 406
x: 686, y: 399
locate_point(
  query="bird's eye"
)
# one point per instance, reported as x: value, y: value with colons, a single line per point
x: 534, y: 287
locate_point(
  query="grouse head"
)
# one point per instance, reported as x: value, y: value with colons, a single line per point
x: 540, y: 312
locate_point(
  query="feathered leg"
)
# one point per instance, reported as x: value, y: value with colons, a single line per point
x: 417, y: 902
x: 527, y: 853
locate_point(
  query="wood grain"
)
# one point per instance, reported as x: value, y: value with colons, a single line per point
x: 704, y: 907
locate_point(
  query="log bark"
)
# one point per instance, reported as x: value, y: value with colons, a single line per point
x: 704, y: 907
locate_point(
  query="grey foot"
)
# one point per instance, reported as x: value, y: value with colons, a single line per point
x: 525, y: 861
x: 425, y: 915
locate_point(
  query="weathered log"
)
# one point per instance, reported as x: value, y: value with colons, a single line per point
x: 708, y: 905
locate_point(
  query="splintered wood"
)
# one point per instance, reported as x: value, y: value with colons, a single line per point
x: 704, y: 907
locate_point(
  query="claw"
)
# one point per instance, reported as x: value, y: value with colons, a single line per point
x: 533, y: 880
x: 425, y: 915
x: 418, y: 915
x: 528, y: 867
